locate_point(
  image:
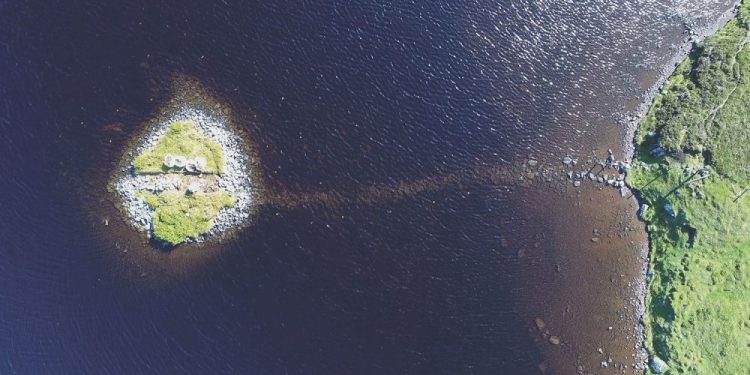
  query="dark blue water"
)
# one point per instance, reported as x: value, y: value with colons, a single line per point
x: 337, y: 97
x: 414, y: 278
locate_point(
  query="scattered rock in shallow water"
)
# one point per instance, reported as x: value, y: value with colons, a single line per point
x: 533, y: 163
x: 539, y: 323
x: 567, y: 160
x: 595, y: 239
x: 554, y: 340
x: 577, y: 183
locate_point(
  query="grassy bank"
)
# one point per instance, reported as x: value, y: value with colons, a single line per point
x: 186, y: 212
x: 692, y: 169
x: 178, y: 215
x: 181, y: 139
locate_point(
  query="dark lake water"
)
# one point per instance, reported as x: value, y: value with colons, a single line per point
x: 389, y: 239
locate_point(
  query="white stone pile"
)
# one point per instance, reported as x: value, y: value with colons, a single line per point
x: 196, y: 165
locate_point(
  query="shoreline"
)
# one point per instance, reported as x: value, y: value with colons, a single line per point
x: 695, y: 35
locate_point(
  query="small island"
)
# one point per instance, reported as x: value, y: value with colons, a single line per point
x: 187, y: 181
x: 692, y: 175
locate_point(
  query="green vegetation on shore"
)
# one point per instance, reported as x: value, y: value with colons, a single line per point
x: 698, y: 307
x: 183, y: 213
x: 179, y: 215
x: 181, y: 139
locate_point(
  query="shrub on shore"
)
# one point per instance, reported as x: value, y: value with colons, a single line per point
x: 702, y: 108
x: 697, y: 211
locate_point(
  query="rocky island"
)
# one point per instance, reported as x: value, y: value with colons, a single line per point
x: 691, y: 174
x: 188, y: 180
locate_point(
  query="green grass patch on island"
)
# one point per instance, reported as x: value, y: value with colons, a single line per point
x: 698, y: 215
x: 178, y: 215
x: 181, y: 139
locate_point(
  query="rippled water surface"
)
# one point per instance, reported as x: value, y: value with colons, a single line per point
x: 394, y: 235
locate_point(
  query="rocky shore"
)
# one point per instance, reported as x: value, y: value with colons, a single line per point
x: 236, y: 178
x: 575, y: 171
x: 695, y: 34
